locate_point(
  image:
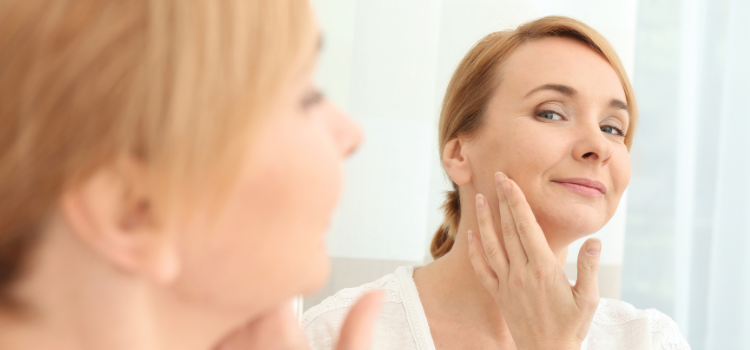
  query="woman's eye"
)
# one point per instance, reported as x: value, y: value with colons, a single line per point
x: 612, y: 130
x: 549, y: 115
x: 311, y: 99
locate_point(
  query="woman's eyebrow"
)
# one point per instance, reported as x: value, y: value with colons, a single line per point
x: 619, y: 104
x: 569, y: 91
x: 564, y: 89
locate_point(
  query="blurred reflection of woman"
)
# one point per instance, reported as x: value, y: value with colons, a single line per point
x: 167, y: 174
x: 535, y: 131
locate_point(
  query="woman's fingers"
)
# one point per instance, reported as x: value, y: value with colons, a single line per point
x: 481, y: 265
x: 526, y: 227
x: 490, y: 242
x: 587, y: 282
x: 356, y: 333
x: 513, y: 246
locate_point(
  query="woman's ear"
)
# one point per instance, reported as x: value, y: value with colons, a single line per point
x: 111, y: 212
x: 455, y: 162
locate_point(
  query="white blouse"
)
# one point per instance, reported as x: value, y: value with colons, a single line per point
x: 403, y: 325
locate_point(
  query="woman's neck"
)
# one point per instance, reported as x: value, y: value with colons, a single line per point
x: 451, y: 292
x: 76, y: 300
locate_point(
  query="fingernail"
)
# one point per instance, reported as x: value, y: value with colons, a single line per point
x: 480, y: 201
x: 471, y: 239
x: 594, y: 247
x: 499, y: 180
x: 507, y: 187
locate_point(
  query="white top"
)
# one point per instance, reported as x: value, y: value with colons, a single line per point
x: 403, y: 325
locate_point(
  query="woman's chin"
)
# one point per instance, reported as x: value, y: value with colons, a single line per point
x: 317, y: 274
x: 573, y: 223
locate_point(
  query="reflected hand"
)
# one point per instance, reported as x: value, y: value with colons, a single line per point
x: 542, y: 309
x: 279, y: 329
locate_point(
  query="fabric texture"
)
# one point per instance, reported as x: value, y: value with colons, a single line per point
x: 403, y: 325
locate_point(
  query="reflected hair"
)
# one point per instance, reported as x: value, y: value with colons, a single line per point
x: 177, y: 85
x: 477, y: 77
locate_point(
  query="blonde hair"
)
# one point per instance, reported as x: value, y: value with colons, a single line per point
x: 475, y: 80
x: 176, y: 84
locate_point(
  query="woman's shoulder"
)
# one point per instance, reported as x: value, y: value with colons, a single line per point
x: 615, y: 312
x: 618, y: 322
x: 345, y: 298
x: 322, y: 323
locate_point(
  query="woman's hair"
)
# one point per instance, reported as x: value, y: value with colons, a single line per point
x: 176, y: 85
x: 475, y: 80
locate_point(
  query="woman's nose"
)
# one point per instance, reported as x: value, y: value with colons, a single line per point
x: 347, y: 133
x: 593, y: 147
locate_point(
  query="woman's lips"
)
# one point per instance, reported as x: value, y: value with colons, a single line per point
x: 584, y: 187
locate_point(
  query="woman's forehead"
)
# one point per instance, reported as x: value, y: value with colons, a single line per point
x: 560, y: 64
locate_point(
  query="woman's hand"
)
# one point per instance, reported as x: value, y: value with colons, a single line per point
x: 541, y: 308
x: 279, y: 329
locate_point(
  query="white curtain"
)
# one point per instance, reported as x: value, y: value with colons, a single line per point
x: 687, y: 243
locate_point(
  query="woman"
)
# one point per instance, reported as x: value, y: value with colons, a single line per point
x: 535, y: 131
x: 167, y: 173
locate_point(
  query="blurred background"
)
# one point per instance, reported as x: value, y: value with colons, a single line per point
x: 680, y: 240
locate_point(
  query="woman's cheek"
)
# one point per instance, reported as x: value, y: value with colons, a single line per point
x: 625, y: 169
x: 322, y: 175
x: 620, y: 172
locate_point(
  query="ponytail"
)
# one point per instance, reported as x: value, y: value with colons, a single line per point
x: 446, y: 233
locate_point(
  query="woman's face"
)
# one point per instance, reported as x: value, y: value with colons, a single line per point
x: 556, y: 126
x: 267, y: 244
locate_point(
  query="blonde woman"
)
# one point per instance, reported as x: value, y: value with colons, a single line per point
x: 167, y: 173
x: 535, y: 131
